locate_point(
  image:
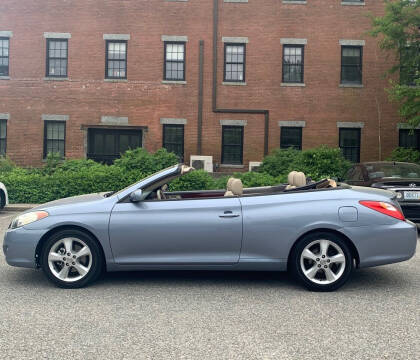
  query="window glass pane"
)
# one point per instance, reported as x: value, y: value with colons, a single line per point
x: 291, y: 137
x: 232, y: 147
x: 293, y: 64
x: 350, y: 144
x: 173, y: 139
x: 409, y: 139
x: 55, y: 137
x: 116, y: 60
x: 351, y: 64
x: 175, y: 61
x: 234, y: 63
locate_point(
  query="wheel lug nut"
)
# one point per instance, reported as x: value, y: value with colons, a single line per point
x: 74, y: 256
x: 328, y: 260
x: 325, y: 266
x: 317, y: 259
x: 64, y: 259
x: 323, y: 256
x: 319, y: 265
x: 68, y: 254
x: 67, y: 264
x: 73, y: 263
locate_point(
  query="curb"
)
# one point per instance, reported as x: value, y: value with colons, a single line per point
x: 19, y: 207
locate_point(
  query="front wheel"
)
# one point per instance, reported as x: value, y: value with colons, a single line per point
x: 322, y: 261
x: 71, y: 259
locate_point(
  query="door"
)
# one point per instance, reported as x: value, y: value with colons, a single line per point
x: 196, y: 231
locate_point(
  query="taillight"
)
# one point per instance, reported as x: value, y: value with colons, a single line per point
x: 384, y: 208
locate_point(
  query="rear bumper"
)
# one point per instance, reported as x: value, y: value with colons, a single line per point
x: 19, y: 247
x: 411, y: 211
x: 384, y: 244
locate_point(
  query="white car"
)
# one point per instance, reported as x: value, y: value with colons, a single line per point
x: 4, y: 197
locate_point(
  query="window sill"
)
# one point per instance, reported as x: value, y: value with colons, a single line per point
x: 294, y: 2
x: 174, y: 82
x: 56, y: 78
x: 231, y: 83
x: 4, y: 77
x: 351, y: 85
x: 293, y: 84
x: 232, y: 166
x: 115, y: 80
x: 353, y: 3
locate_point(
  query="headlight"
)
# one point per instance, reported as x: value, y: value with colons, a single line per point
x: 27, y: 218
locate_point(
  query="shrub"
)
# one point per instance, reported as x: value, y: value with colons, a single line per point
x: 6, y: 164
x: 405, y: 155
x: 316, y: 163
x: 144, y: 162
x: 279, y: 161
x: 196, y: 180
x: 255, y: 179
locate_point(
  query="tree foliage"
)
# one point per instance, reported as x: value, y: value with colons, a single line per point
x: 399, y: 32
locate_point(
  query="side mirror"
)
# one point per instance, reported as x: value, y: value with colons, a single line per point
x: 136, y: 196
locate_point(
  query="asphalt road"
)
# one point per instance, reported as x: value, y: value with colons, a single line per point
x: 203, y: 315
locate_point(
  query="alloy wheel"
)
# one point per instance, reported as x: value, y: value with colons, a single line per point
x: 70, y: 259
x: 323, y: 262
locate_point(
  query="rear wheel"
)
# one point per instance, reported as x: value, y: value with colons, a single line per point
x: 322, y: 261
x: 71, y: 259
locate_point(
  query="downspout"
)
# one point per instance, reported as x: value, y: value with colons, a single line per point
x: 200, y: 97
x: 214, y: 98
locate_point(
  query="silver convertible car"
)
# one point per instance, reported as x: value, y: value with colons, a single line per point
x: 319, y: 231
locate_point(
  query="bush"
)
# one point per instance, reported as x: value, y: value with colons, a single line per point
x: 279, y: 161
x: 144, y: 162
x: 6, y: 164
x: 318, y: 163
x: 405, y: 155
x: 255, y: 179
x: 196, y: 180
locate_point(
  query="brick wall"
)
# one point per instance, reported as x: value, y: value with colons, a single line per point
x: 144, y: 99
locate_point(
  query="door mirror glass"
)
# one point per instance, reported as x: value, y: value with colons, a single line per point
x: 136, y: 196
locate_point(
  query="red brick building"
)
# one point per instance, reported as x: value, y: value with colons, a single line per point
x: 232, y: 79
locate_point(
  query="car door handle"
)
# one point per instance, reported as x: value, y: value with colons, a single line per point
x: 229, y: 214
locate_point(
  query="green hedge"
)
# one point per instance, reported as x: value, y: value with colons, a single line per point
x: 58, y: 179
x: 318, y: 163
x: 405, y: 155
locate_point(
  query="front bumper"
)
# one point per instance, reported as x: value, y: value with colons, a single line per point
x: 19, y: 246
x: 411, y: 210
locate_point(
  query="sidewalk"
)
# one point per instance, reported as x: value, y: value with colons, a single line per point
x: 19, y: 207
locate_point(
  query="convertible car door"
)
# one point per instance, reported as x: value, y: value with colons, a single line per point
x: 196, y: 231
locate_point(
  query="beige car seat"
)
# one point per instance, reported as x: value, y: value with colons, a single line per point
x: 295, y: 179
x: 234, y: 187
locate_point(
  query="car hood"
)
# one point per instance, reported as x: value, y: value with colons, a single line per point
x: 74, y: 200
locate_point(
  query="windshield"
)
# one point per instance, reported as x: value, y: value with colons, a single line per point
x: 122, y: 190
x: 393, y: 170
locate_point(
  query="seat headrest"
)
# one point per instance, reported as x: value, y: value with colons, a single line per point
x: 299, y: 179
x: 290, y: 177
x: 235, y: 186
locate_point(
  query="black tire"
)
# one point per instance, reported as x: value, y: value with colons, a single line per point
x: 96, y: 267
x: 296, y: 268
x: 2, y: 200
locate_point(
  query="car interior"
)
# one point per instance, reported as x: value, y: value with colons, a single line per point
x: 297, y: 181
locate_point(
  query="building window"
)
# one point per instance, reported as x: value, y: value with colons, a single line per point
x: 293, y: 62
x: 57, y: 56
x: 352, y: 1
x: 54, y: 137
x: 106, y: 145
x: 234, y: 63
x: 291, y: 137
x: 409, y: 74
x: 350, y: 144
x: 3, y: 136
x: 351, y: 64
x: 4, y: 56
x: 116, y: 59
x: 174, y: 65
x: 409, y: 139
x: 173, y: 139
x: 232, y: 144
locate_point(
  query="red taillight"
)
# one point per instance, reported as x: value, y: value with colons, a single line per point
x: 384, y: 208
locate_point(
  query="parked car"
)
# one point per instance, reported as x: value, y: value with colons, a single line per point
x: 4, y: 196
x: 401, y: 177
x: 319, y: 231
